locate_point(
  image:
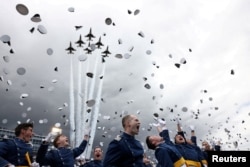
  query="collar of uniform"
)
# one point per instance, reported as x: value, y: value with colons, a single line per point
x: 62, y: 148
x: 161, y: 143
x: 127, y: 136
x: 97, y: 161
x: 21, y: 140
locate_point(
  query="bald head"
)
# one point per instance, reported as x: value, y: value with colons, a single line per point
x: 125, y: 120
x: 131, y: 124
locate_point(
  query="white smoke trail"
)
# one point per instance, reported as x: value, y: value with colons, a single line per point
x: 72, y: 105
x: 91, y: 90
x: 79, y: 105
x: 92, y: 86
x: 95, y: 113
x: 84, y: 110
x: 90, y: 97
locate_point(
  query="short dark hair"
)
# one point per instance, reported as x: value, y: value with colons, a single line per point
x: 125, y: 119
x: 97, y: 147
x: 150, y: 144
x: 56, y: 139
x: 21, y: 126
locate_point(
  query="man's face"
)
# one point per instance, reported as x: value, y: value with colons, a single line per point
x: 98, y: 154
x: 205, y: 145
x: 134, y: 125
x: 27, y: 134
x: 63, y: 141
x: 155, y: 139
x: 179, y: 139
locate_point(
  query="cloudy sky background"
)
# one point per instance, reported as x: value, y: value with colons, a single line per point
x: 210, y: 91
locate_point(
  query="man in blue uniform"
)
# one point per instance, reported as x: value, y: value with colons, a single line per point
x: 125, y: 150
x: 205, y: 145
x: 18, y: 151
x: 191, y: 153
x: 165, y: 151
x: 97, y: 162
x: 62, y: 156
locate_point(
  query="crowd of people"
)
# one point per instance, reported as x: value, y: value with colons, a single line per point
x: 123, y: 151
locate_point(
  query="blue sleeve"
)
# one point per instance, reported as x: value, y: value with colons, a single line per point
x: 205, y: 155
x: 41, y: 157
x: 163, y: 158
x: 85, y: 165
x: 112, y: 155
x: 201, y: 157
x: 3, y: 152
x: 217, y: 147
x: 78, y: 150
x: 194, y: 140
x: 165, y: 135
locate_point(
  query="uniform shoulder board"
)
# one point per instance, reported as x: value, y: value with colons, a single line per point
x: 118, y: 138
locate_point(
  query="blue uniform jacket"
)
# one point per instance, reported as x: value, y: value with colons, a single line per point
x: 205, y: 152
x: 148, y: 165
x: 60, y: 157
x: 124, y: 151
x: 13, y: 151
x: 190, y: 151
x: 94, y: 163
x: 166, y: 153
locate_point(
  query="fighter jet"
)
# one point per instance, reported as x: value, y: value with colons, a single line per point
x: 106, y: 52
x: 70, y: 49
x: 80, y: 42
x: 99, y: 43
x: 78, y: 27
x: 90, y: 35
x: 88, y: 49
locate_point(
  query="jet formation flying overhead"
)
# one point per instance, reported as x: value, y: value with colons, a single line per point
x: 89, y: 49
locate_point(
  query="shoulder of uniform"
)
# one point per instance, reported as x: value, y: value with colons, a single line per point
x: 53, y: 149
x: 137, y: 140
x: 30, y: 144
x: 118, y: 138
x: 89, y: 162
x: 3, y: 140
x: 7, y: 139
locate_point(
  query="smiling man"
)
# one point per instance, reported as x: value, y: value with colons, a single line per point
x: 125, y: 150
x: 18, y: 151
x: 61, y: 156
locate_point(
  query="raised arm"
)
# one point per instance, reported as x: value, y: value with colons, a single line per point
x: 79, y: 150
x: 42, y: 158
x: 179, y: 129
x: 193, y: 136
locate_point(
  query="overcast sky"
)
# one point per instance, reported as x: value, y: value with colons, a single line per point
x: 193, y: 54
